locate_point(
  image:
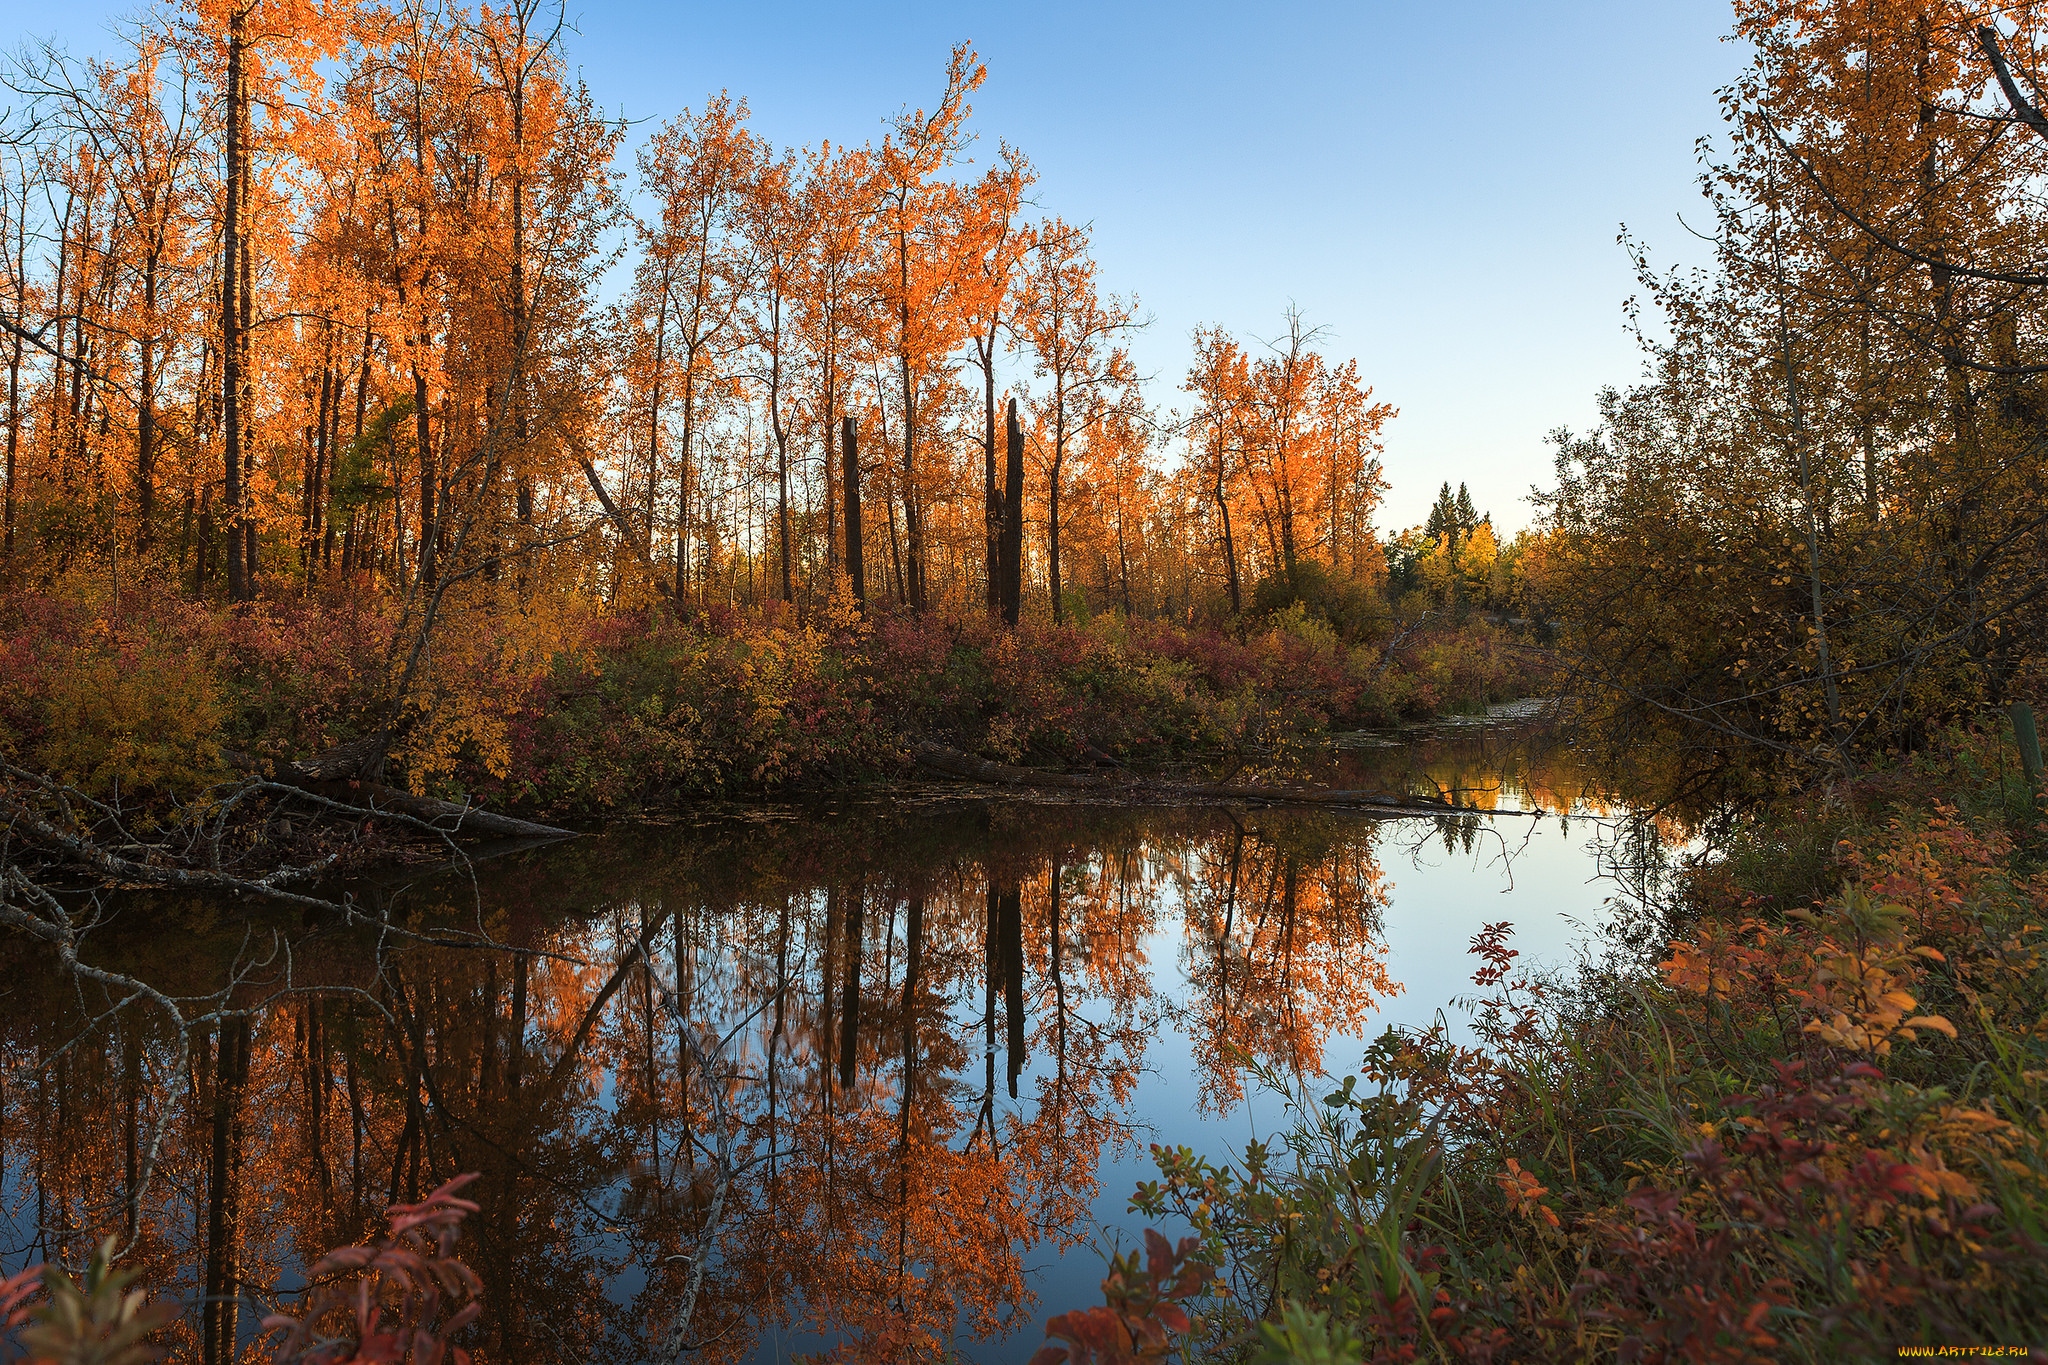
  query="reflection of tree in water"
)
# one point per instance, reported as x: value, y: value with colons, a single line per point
x: 1282, y: 948
x: 870, y: 1065
x: 1532, y: 764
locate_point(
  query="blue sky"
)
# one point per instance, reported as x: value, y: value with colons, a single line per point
x: 1438, y: 187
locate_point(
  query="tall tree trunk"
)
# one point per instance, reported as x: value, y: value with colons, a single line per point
x: 895, y: 547
x: 1052, y: 535
x: 353, y: 1082
x: 781, y: 433
x: 316, y: 481
x: 910, y: 575
x: 145, y: 409
x: 521, y: 322
x: 856, y: 565
x: 20, y: 264
x: 993, y: 517
x: 1229, y: 541
x: 654, y: 417
x: 232, y: 245
x: 1013, y: 520
x: 683, y: 479
x: 1123, y: 559
x: 828, y: 1016
x: 332, y: 483
x: 13, y: 440
x: 245, y: 330
x: 829, y: 431
x: 915, y: 952
x: 429, y: 558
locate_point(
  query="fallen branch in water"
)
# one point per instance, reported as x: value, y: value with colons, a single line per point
x: 67, y: 856
x: 326, y: 779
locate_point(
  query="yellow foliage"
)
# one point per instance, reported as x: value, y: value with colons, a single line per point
x: 492, y: 643
x: 126, y: 724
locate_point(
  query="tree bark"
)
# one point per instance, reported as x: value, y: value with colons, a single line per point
x: 1052, y: 536
x: 1013, y: 521
x: 849, y: 446
x: 1229, y: 541
x: 994, y: 517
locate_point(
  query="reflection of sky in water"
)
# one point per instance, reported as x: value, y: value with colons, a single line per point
x: 1437, y: 902
x: 1157, y: 877
x: 1543, y: 875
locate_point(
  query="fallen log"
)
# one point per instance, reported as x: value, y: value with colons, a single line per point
x: 324, y: 776
x: 953, y: 763
x: 444, y: 815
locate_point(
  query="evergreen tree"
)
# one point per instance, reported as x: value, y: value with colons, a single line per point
x: 1443, y: 517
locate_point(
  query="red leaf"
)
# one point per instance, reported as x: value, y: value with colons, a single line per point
x: 1158, y: 1254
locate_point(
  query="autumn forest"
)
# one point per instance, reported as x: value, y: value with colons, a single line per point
x: 623, y: 742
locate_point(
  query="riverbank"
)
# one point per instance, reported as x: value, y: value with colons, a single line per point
x: 617, y: 714
x: 1796, y: 1114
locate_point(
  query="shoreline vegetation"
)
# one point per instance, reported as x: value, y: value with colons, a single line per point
x: 374, y: 438
x: 1798, y: 1110
x: 165, y: 702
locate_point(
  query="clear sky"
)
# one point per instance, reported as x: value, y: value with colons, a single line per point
x: 1437, y: 186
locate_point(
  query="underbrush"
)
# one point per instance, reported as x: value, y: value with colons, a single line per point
x: 1812, y: 1128
x: 592, y: 715
x: 737, y: 706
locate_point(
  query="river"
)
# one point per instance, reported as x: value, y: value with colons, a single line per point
x: 909, y: 1051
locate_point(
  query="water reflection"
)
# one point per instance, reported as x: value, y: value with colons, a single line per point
x: 839, y: 1075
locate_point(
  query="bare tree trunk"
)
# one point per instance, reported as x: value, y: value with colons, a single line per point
x: 316, y: 476
x: 910, y: 576
x: 20, y: 272
x: 13, y: 440
x: 993, y: 511
x: 895, y: 546
x: 856, y: 565
x: 683, y: 484
x: 654, y: 415
x: 830, y: 431
x: 1229, y: 541
x: 1013, y: 520
x: 1052, y: 535
x: 781, y: 434
x: 1808, y: 495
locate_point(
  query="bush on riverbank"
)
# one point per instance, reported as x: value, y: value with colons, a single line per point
x: 621, y: 711
x: 1811, y: 1129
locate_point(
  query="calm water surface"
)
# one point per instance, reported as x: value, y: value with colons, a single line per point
x: 912, y: 1050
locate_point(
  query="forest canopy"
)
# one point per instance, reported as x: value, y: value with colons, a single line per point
x: 298, y: 292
